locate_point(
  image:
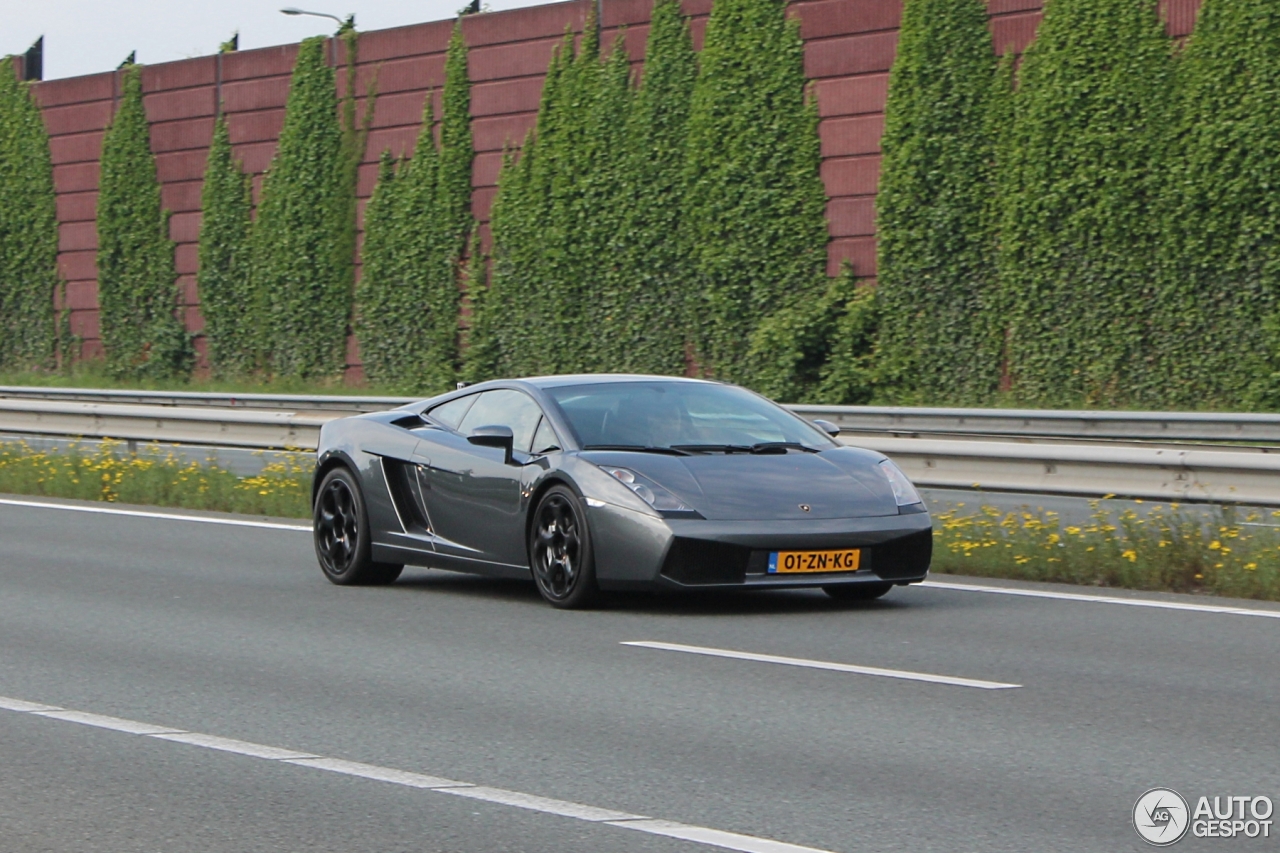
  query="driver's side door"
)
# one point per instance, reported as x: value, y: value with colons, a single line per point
x: 473, y: 495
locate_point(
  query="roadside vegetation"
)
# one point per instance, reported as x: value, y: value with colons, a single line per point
x: 108, y: 472
x: 1221, y: 550
x: 1092, y: 224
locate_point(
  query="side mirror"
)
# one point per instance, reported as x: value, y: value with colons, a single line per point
x: 494, y: 436
x: 828, y: 427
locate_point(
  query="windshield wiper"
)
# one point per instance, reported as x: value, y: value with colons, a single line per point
x: 637, y: 448
x: 763, y: 447
x: 784, y: 446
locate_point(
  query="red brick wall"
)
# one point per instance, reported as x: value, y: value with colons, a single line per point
x: 849, y: 47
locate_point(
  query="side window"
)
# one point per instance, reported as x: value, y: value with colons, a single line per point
x: 505, y: 407
x: 544, y: 440
x: 451, y: 413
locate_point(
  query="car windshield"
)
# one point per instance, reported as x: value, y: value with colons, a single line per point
x: 691, y: 417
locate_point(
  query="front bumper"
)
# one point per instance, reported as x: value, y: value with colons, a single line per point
x: 634, y: 550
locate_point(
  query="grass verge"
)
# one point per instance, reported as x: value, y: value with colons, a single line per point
x: 1215, y: 550
x: 107, y: 472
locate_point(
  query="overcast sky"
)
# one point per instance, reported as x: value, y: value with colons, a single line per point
x: 88, y: 36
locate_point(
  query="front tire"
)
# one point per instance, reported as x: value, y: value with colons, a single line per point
x: 560, y: 551
x: 857, y: 591
x: 340, y: 525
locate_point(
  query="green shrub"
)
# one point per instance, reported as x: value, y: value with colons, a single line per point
x: 939, y: 341
x: 416, y: 230
x: 137, y: 291
x: 1079, y: 188
x: 819, y: 349
x: 301, y: 268
x: 223, y: 280
x: 754, y: 212
x: 28, y: 230
x: 1222, y: 239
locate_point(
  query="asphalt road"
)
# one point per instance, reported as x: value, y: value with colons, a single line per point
x: 231, y: 631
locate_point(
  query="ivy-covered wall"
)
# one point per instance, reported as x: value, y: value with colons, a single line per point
x: 849, y: 46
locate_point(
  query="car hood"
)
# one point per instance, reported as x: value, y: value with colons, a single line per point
x: 839, y: 483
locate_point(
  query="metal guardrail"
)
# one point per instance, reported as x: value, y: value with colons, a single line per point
x: 1066, y: 453
x: 1204, y: 427
x: 880, y: 420
x: 1216, y: 475
x: 200, y: 399
x: 253, y: 428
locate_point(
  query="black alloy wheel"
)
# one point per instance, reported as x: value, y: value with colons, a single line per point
x: 341, y: 528
x: 560, y: 550
x: 857, y: 591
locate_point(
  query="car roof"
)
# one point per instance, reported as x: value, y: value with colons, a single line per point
x: 605, y: 379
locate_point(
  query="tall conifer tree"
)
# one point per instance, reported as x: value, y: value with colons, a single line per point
x: 416, y: 231
x: 226, y: 292
x: 647, y: 325
x: 1219, y: 336
x: 28, y: 230
x: 1079, y: 191
x: 137, y: 291
x: 937, y: 269
x: 299, y: 251
x: 754, y: 213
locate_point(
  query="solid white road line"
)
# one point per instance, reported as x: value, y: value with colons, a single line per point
x: 903, y: 674
x: 499, y: 796
x: 1104, y: 599
x: 167, y: 516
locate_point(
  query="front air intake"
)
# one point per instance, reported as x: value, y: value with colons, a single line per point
x: 697, y: 561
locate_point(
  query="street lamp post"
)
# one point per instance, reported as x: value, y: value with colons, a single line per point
x: 290, y: 10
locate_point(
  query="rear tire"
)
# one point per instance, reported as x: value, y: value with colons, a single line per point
x: 340, y: 525
x: 560, y: 551
x: 857, y: 591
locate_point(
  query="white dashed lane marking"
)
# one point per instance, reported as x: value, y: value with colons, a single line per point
x: 903, y: 674
x: 498, y: 796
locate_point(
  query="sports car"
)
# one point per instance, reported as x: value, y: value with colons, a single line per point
x: 611, y: 482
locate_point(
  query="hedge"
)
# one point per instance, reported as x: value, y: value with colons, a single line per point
x: 137, y: 291
x: 301, y: 270
x: 940, y: 335
x: 223, y: 280
x: 754, y: 208
x: 28, y: 231
x: 1219, y: 338
x: 1080, y: 185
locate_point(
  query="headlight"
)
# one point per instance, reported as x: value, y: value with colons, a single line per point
x: 649, y: 491
x: 903, y: 492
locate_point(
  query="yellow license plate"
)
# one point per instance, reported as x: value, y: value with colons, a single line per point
x: 796, y: 562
